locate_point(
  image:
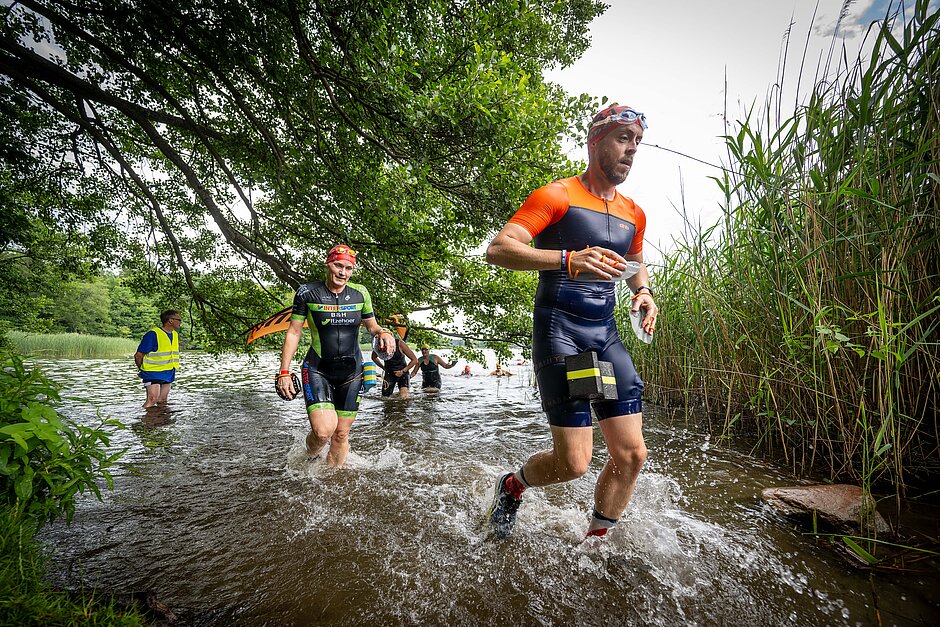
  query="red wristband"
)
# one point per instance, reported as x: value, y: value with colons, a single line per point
x: 285, y: 371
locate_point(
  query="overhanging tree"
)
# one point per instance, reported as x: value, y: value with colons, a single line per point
x: 243, y: 138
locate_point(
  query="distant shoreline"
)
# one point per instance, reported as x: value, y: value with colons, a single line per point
x: 70, y: 345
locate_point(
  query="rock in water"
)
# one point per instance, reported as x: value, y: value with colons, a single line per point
x: 838, y: 506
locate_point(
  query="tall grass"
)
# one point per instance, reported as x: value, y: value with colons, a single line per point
x: 809, y: 316
x: 70, y: 345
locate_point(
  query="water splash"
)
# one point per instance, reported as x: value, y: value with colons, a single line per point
x: 220, y: 511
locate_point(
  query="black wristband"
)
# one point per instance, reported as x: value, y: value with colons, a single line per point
x: 644, y: 287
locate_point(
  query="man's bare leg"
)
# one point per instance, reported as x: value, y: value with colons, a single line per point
x: 615, y: 485
x: 153, y: 394
x: 164, y: 392
x: 568, y: 459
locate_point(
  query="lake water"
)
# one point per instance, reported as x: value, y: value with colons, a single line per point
x: 217, y: 510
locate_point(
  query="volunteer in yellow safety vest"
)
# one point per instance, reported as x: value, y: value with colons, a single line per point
x: 158, y: 358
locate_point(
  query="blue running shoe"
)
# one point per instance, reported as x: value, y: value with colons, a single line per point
x: 503, y: 512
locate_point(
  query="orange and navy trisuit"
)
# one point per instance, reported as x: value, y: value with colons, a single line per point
x: 571, y: 316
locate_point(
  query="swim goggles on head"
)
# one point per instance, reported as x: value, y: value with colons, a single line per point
x: 341, y: 253
x: 627, y: 116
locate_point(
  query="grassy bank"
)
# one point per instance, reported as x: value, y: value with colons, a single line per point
x: 26, y: 598
x: 70, y: 345
x: 46, y: 461
x: 809, y: 316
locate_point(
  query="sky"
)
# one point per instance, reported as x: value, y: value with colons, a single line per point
x: 671, y: 59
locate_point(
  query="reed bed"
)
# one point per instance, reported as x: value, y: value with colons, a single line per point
x: 70, y: 345
x: 808, y: 317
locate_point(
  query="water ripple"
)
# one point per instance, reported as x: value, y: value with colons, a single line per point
x: 218, y: 510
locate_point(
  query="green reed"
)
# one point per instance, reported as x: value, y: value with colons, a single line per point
x: 73, y: 345
x: 809, y: 316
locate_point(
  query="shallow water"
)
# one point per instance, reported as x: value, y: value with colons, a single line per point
x: 217, y: 510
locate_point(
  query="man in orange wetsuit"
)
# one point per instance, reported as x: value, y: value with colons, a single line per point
x: 584, y: 233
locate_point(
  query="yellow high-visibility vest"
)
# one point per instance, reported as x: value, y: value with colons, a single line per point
x: 167, y: 355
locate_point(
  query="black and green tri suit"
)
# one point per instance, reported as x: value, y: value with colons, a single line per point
x: 332, y: 370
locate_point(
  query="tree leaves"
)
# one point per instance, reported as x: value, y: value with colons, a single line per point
x: 45, y: 459
x: 246, y: 138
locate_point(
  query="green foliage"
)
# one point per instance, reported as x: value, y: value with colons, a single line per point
x: 132, y: 314
x: 810, y: 316
x: 103, y: 305
x: 53, y: 223
x: 253, y: 135
x: 45, y: 459
x: 22, y: 301
x: 27, y: 598
x: 83, y: 307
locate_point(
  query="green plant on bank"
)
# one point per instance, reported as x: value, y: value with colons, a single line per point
x: 71, y: 345
x: 809, y: 316
x: 27, y: 598
x: 854, y: 545
x: 46, y: 460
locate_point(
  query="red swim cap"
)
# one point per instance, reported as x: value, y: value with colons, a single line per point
x: 341, y: 253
